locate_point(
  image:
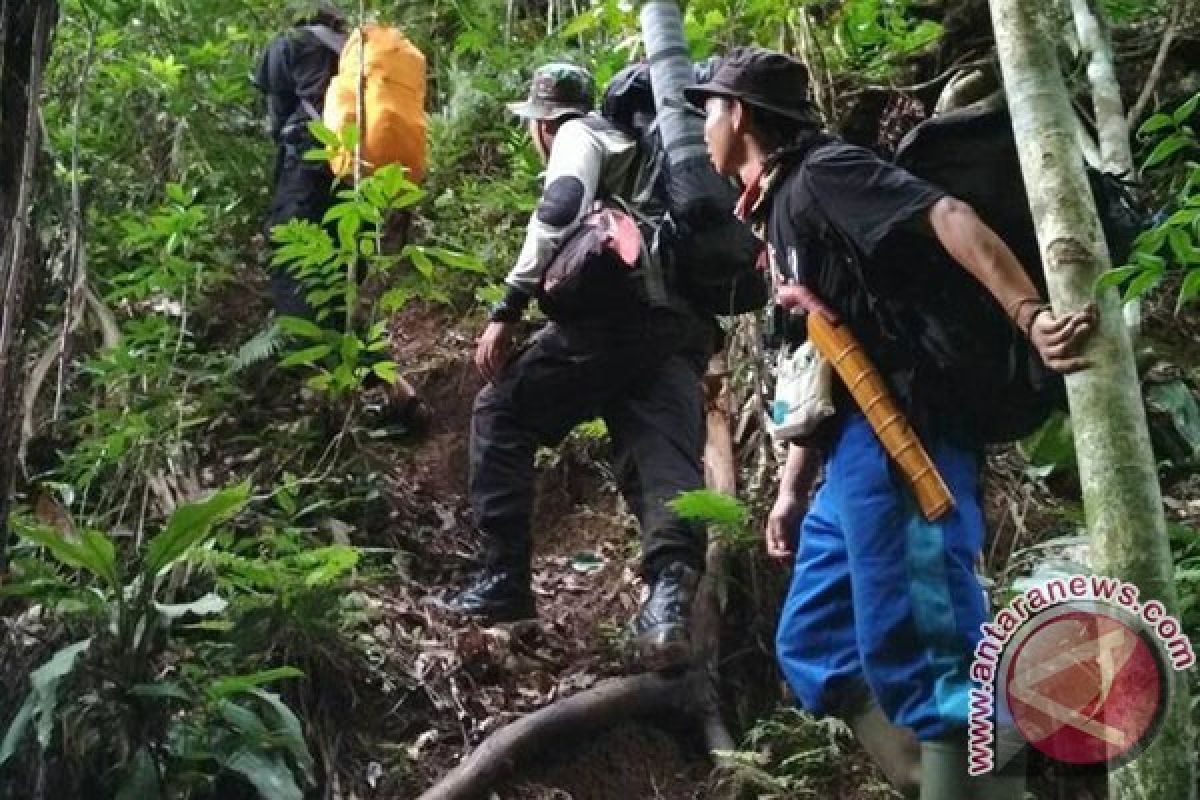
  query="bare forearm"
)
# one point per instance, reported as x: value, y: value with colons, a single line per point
x: 975, y: 246
x: 799, y: 470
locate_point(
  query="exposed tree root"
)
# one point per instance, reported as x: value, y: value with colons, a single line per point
x: 692, y: 692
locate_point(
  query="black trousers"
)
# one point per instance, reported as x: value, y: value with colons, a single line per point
x: 302, y: 191
x: 644, y: 378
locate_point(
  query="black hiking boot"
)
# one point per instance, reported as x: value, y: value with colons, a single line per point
x: 662, y: 624
x: 494, y: 596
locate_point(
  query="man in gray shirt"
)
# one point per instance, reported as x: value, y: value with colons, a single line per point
x: 639, y: 367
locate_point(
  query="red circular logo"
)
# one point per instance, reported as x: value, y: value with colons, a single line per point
x: 1085, y: 688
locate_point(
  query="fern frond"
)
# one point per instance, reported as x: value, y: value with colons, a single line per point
x: 263, y: 345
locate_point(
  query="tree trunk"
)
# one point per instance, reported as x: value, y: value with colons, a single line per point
x: 25, y: 27
x: 1112, y: 127
x: 1121, y: 495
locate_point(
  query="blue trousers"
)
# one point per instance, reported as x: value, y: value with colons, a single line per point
x: 881, y: 599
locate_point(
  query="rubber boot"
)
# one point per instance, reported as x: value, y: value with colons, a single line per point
x: 895, y: 750
x: 944, y: 774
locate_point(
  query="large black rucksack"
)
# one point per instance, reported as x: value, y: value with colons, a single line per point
x: 710, y: 256
x: 967, y: 361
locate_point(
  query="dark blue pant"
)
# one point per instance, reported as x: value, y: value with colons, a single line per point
x: 882, y: 599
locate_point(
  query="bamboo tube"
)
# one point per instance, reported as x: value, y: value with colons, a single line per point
x: 838, y: 345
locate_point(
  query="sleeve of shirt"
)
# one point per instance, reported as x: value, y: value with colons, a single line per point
x: 867, y: 198
x: 579, y: 154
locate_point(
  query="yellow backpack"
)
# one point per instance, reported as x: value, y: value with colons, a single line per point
x: 393, y: 101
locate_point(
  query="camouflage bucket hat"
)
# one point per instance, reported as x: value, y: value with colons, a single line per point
x: 557, y: 90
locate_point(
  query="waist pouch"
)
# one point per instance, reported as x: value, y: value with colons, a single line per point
x: 595, y: 272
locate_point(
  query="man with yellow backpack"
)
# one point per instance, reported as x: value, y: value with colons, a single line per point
x: 315, y: 72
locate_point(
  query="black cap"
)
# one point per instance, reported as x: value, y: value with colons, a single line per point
x: 764, y: 78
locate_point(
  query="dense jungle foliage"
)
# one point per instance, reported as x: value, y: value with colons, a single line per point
x: 221, y: 545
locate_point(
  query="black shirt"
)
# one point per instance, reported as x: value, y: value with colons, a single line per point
x: 840, y: 220
x: 296, y: 66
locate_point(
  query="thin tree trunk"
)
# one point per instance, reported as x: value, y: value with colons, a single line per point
x: 1121, y: 495
x: 1112, y: 127
x: 25, y: 27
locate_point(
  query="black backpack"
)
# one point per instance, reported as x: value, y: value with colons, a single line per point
x: 709, y: 255
x: 966, y: 363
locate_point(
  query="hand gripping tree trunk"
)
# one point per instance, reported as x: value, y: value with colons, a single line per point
x: 1121, y: 496
x: 25, y: 27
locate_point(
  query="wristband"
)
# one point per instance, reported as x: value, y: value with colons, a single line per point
x: 1027, y: 329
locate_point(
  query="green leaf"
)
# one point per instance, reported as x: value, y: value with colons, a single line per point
x: 1156, y: 123
x: 1182, y: 248
x: 1189, y: 290
x: 242, y: 719
x: 92, y: 551
x: 1167, y: 148
x: 141, y: 782
x: 235, y: 684
x: 1185, y: 111
x: 1142, y: 284
x: 706, y: 505
x: 1116, y: 277
x: 386, y: 371
x: 45, y: 681
x: 323, y: 134
x: 270, y: 775
x: 421, y: 261
x: 299, y: 326
x: 190, y: 524
x: 459, y: 261
x: 207, y: 606
x: 308, y: 356
x: 165, y: 690
x: 17, y: 728
x: 290, y: 732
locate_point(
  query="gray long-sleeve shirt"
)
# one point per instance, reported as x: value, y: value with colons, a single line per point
x: 598, y: 156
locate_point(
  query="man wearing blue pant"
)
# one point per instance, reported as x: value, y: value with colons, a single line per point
x: 884, y: 608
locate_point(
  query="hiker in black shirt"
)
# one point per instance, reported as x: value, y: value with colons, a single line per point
x: 294, y: 73
x: 884, y: 609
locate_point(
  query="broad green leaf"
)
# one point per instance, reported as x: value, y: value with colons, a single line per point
x: 1182, y: 247
x: 235, y: 684
x: 141, y: 782
x: 190, y: 524
x: 290, y: 731
x: 1167, y: 148
x: 1142, y: 284
x: 45, y: 681
x: 242, y: 719
x: 1115, y: 277
x: 270, y: 775
x: 1156, y: 123
x: 91, y: 551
